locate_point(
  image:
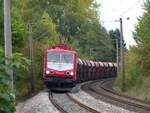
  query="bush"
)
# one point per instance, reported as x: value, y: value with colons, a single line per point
x: 136, y: 74
x: 7, y: 97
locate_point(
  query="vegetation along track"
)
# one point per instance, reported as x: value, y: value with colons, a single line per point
x: 104, y: 88
x: 63, y: 109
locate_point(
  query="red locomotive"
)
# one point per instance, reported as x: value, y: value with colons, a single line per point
x: 60, y: 66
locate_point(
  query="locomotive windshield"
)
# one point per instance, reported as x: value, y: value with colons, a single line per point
x: 60, y: 57
x: 67, y: 58
x: 53, y: 57
x: 60, y: 61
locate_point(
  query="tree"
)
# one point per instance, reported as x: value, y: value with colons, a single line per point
x: 54, y: 36
x: 142, y: 37
x: 78, y: 21
x: 75, y: 21
x: 7, y: 98
x: 115, y: 35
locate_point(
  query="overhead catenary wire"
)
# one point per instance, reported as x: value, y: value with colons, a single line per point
x: 113, y: 9
x: 130, y: 8
x: 125, y: 12
x: 117, y: 5
x: 110, y: 24
x: 110, y: 21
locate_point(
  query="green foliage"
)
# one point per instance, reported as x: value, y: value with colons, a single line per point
x: 7, y: 103
x: 21, y: 66
x: 138, y: 59
x: 19, y: 30
x: 142, y: 35
x: 137, y: 82
x: 77, y: 22
x: 72, y: 22
x: 7, y: 98
x: 39, y: 63
x: 133, y: 71
x: 50, y: 25
x: 19, y: 33
x: 48, y: 22
x: 115, y: 35
x: 19, y: 61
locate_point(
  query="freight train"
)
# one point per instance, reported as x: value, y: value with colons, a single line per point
x: 62, y: 69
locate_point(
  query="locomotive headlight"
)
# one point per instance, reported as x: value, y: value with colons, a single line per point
x: 47, y: 72
x: 71, y: 73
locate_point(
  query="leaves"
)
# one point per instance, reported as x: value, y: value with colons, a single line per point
x: 138, y: 58
x: 142, y: 37
x: 7, y: 98
x: 19, y: 61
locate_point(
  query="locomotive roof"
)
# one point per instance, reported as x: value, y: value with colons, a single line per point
x: 57, y: 49
x: 61, y: 47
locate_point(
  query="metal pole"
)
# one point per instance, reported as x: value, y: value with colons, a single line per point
x: 31, y: 58
x: 8, y: 39
x: 90, y: 52
x: 122, y: 56
x: 117, y: 56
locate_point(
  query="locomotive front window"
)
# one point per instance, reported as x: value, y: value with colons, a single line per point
x: 67, y: 58
x: 60, y: 57
x: 60, y: 60
x: 53, y: 57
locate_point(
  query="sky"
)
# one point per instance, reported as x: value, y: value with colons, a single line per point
x: 111, y: 10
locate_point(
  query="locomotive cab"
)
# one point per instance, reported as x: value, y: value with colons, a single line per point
x: 60, y: 67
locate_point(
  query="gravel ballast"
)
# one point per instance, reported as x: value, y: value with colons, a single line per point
x: 39, y: 104
x: 68, y: 105
x: 97, y: 104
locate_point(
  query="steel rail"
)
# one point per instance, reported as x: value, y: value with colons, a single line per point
x: 56, y: 104
x: 82, y: 105
x: 103, y: 88
x: 123, y: 95
x: 124, y: 98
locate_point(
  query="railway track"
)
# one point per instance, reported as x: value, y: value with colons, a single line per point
x: 80, y: 108
x: 82, y: 105
x: 56, y: 104
x: 103, y: 88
